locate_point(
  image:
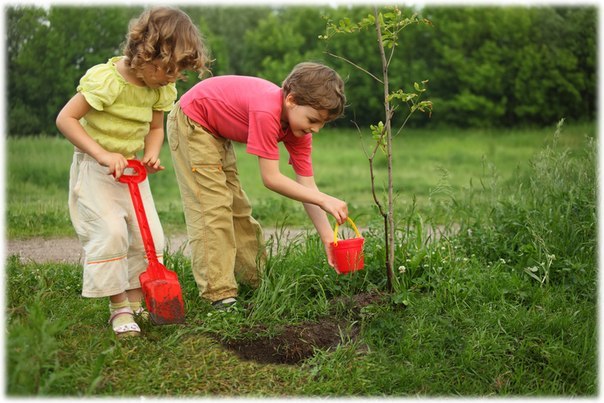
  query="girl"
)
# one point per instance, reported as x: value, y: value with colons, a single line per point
x: 118, y: 111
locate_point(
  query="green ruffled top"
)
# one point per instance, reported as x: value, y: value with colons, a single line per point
x: 121, y: 112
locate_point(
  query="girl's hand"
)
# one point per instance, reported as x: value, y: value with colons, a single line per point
x: 152, y: 164
x: 116, y: 163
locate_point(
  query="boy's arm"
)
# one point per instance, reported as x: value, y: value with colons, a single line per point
x: 153, y: 143
x: 68, y: 122
x: 318, y: 218
x: 277, y: 182
x: 305, y: 190
x: 316, y: 214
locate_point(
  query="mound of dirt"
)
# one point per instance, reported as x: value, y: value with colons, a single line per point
x: 295, y: 343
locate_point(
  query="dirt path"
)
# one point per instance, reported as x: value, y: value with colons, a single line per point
x: 69, y: 250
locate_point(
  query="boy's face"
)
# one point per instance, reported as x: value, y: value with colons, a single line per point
x: 303, y: 119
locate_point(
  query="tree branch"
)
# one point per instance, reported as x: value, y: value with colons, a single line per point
x: 355, y: 65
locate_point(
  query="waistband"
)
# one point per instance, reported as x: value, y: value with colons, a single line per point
x: 82, y: 156
x: 178, y: 110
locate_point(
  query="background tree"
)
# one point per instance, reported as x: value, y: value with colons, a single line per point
x: 224, y: 29
x: 510, y: 66
x: 284, y: 38
x: 488, y: 66
x: 50, y: 51
x: 23, y: 26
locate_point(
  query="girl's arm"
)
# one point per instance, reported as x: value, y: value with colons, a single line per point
x: 68, y: 122
x: 153, y: 143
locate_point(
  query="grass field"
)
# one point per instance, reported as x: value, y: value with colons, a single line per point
x: 505, y: 307
x: 429, y: 166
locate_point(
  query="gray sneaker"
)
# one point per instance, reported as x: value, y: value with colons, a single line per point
x: 224, y: 304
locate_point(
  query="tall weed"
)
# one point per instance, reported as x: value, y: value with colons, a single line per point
x: 545, y: 225
x: 34, y: 365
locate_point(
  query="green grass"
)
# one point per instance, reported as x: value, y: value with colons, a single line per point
x: 430, y: 166
x: 505, y: 307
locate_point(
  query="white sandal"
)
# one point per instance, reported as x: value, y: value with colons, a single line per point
x: 125, y: 330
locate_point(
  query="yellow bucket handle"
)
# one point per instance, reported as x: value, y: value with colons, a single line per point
x: 354, y: 227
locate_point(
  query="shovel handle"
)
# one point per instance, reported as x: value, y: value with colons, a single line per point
x: 132, y: 181
x: 139, y: 170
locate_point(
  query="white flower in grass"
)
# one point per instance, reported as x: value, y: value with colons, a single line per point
x: 402, y: 269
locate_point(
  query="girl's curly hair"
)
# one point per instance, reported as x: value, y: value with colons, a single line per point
x: 167, y: 35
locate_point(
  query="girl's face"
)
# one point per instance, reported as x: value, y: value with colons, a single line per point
x: 303, y: 119
x: 154, y: 76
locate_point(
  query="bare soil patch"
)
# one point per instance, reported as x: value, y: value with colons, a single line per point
x: 295, y: 343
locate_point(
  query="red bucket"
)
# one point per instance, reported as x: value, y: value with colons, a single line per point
x: 348, y: 253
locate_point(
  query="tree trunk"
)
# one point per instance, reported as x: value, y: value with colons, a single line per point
x: 389, y: 218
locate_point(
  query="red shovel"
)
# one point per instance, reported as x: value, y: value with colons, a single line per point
x: 161, y: 288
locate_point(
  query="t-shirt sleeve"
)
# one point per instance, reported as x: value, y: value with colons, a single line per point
x: 263, y: 134
x: 300, y: 153
x: 167, y: 96
x: 99, y: 86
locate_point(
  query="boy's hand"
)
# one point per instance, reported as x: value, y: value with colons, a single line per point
x: 329, y: 254
x: 116, y: 163
x: 336, y: 208
x: 152, y: 164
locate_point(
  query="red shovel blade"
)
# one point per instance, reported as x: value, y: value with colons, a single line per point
x: 163, y: 294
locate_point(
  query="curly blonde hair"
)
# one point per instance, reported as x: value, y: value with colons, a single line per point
x: 167, y: 35
x: 317, y: 86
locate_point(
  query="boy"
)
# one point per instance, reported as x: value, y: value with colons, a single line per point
x: 225, y: 239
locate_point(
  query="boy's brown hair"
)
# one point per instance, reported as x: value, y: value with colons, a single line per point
x: 166, y: 34
x: 317, y: 86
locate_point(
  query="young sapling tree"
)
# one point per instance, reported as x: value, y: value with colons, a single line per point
x: 388, y: 25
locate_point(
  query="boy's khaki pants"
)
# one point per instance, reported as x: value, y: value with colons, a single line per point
x: 225, y: 240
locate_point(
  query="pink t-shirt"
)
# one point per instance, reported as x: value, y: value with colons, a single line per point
x: 247, y: 110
